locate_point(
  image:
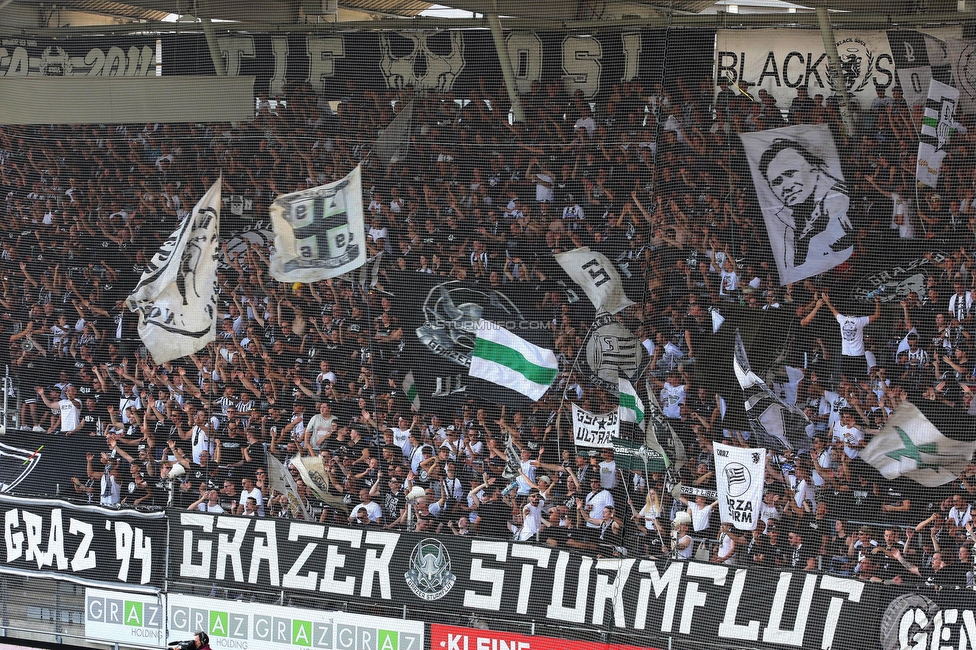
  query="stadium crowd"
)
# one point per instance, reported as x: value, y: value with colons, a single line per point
x: 652, y: 176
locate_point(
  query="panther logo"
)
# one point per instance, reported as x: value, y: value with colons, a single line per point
x: 430, y: 576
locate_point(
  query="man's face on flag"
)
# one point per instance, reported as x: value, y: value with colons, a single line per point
x: 791, y: 178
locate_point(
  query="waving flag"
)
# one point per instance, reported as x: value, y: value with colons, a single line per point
x: 507, y: 360
x: 911, y: 445
x: 777, y: 423
x: 282, y: 481
x: 410, y: 388
x: 938, y: 124
x: 800, y: 186
x: 393, y: 145
x: 597, y: 276
x: 320, y: 232
x: 176, y: 296
x: 317, y: 478
x: 631, y: 406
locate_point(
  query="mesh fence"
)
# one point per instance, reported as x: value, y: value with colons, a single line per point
x: 632, y: 336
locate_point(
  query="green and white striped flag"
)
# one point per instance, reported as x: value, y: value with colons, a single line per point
x: 507, y: 360
x: 631, y: 406
x: 938, y: 123
x: 410, y: 388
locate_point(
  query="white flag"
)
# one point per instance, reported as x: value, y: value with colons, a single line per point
x: 393, y: 144
x: 631, y: 406
x: 800, y: 187
x: 595, y: 429
x: 910, y: 445
x: 282, y: 481
x: 410, y: 388
x: 938, y: 123
x: 319, y: 233
x: 598, y: 278
x: 962, y: 56
x: 507, y: 360
x: 740, y: 475
x: 176, y: 296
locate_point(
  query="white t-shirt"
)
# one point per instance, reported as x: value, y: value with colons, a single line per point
x: 256, y: 493
x: 672, y: 397
x: 528, y: 470
x: 852, y: 334
x: 531, y: 521
x: 730, y: 283
x: 201, y: 442
x: 960, y: 518
x: 401, y: 438
x: 373, y: 511
x: 700, y: 517
x: 599, y: 501
x: 70, y: 415
x: 319, y: 427
x: 850, y: 436
x: 608, y: 474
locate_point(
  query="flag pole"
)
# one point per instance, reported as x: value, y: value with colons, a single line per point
x: 572, y: 369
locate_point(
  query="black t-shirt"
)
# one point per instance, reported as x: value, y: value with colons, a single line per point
x: 801, y: 554
x: 89, y: 420
x: 259, y: 458
x: 757, y: 551
x: 699, y: 332
x: 231, y: 450
x: 494, y: 518
x: 393, y: 504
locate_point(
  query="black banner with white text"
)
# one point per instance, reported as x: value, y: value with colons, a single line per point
x: 84, y: 544
x: 655, y: 598
x: 445, y: 61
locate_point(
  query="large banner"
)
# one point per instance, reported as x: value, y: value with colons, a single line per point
x: 686, y: 601
x: 445, y: 60
x: 129, y: 56
x: 232, y: 624
x: 36, y: 464
x: 782, y: 60
x: 804, y: 200
x: 440, y: 317
x: 176, y: 296
x: 88, y: 545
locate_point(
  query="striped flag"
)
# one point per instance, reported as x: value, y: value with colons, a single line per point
x: 410, y: 388
x: 938, y: 124
x: 507, y: 360
x: 631, y: 406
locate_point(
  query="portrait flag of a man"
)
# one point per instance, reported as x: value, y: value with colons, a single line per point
x: 804, y: 200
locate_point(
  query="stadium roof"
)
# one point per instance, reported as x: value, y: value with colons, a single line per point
x: 24, y: 17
